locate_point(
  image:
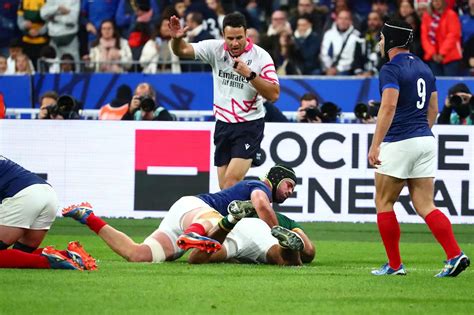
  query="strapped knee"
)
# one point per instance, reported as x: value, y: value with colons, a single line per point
x: 4, y: 245
x: 23, y: 247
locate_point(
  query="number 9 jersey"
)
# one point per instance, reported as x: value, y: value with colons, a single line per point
x: 415, y: 82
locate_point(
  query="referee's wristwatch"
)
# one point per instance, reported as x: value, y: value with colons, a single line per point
x: 252, y: 76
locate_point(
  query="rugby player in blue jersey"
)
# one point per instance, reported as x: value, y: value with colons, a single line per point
x: 403, y: 150
x: 28, y: 206
x: 191, y: 217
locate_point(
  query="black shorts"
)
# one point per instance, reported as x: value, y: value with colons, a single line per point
x: 238, y: 140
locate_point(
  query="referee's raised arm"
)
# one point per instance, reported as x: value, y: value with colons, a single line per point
x: 180, y: 48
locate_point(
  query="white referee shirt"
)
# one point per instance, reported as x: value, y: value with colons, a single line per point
x: 235, y: 99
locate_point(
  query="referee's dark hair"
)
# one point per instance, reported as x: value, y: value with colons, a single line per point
x: 235, y: 19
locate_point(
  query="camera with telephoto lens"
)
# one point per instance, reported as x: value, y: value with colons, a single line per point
x: 147, y: 104
x: 456, y: 100
x: 65, y: 107
x: 312, y: 113
x: 366, y: 111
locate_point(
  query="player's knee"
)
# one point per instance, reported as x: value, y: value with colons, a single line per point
x: 140, y: 254
x: 137, y: 256
x: 4, y: 245
x: 24, y: 248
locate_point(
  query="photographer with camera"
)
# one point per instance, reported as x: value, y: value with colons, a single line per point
x: 143, y: 105
x: 309, y: 111
x: 460, y: 99
x: 61, y: 107
x: 366, y: 113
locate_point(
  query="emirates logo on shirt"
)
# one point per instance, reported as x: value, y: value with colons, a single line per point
x: 170, y: 164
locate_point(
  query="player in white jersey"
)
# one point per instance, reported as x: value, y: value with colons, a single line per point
x: 243, y: 75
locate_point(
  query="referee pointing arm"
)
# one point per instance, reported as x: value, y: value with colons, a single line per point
x: 243, y: 75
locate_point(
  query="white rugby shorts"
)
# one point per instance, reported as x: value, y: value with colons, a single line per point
x: 249, y: 241
x: 33, y: 207
x: 410, y: 158
x: 172, y: 222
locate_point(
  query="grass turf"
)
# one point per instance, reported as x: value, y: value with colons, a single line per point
x: 338, y: 281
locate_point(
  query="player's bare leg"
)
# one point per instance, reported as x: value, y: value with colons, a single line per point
x: 422, y: 193
x: 118, y: 241
x: 9, y: 235
x: 33, y: 238
x: 124, y: 246
x: 233, y: 173
x: 388, y: 189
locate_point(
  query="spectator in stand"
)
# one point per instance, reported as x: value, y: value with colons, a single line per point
x: 23, y: 65
x: 309, y: 107
x: 156, y: 54
x: 135, y: 20
x: 308, y: 44
x: 109, y: 52
x: 47, y: 99
x: 279, y: 24
x: 209, y: 17
x: 421, y: 6
x: 144, y: 105
x: 3, y: 64
x: 94, y: 12
x: 195, y: 34
x: 49, y: 63
x: 15, y: 48
x: 316, y: 14
x: 287, y: 58
x: 441, y: 39
x: 118, y: 107
x: 33, y: 28
x: 382, y: 8
x: 62, y: 20
x: 405, y: 8
x: 67, y: 64
x: 367, y: 58
x: 415, y: 24
x: 338, y: 6
x: 254, y: 35
x: 338, y: 46
x: 196, y: 30
x: 467, y: 23
x: 216, y: 7
x: 8, y: 24
x: 406, y: 12
x: 468, y: 56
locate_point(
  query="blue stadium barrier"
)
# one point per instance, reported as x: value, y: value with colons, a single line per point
x: 192, y: 91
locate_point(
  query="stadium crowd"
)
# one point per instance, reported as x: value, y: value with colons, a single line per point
x: 303, y: 36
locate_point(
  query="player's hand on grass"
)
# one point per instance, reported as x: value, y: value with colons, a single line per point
x: 373, y: 156
x: 176, y: 31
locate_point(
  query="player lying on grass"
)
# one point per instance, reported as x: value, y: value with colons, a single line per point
x: 28, y: 206
x: 191, y: 217
x: 252, y: 241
